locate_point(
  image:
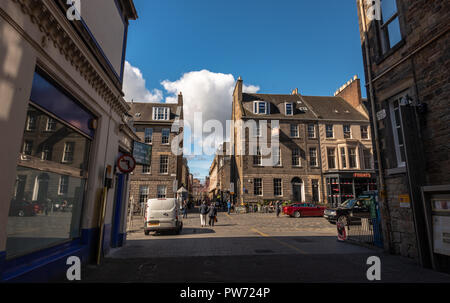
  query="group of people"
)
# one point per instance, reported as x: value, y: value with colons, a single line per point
x: 208, y: 211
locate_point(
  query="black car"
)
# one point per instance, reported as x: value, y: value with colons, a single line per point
x: 350, y: 212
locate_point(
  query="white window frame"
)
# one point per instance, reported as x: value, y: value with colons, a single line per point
x: 286, y: 108
x: 148, y: 138
x: 164, y: 191
x: 396, y: 125
x: 281, y: 187
x: 46, y: 150
x: 332, y: 131
x: 367, y: 152
x: 29, y: 123
x: 50, y: 121
x: 254, y: 187
x: 146, y: 169
x: 161, y: 113
x: 349, y: 131
x: 143, y: 192
x: 258, y: 132
x: 257, y: 156
x: 314, y: 131
x: 350, y: 157
x: 334, y: 157
x: 298, y: 157
x: 27, y: 146
x: 162, y: 136
x: 61, y: 183
x: 315, y: 156
x: 297, y: 135
x: 64, y: 160
x: 277, y: 155
x: 256, y: 108
x: 367, y: 131
x: 343, y: 157
x: 160, y: 163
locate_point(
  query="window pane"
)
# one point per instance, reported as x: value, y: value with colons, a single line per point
x: 45, y: 210
x: 165, y: 135
x: 148, y: 135
x: 394, y: 32
x: 388, y: 9
x: 65, y: 145
x: 46, y: 206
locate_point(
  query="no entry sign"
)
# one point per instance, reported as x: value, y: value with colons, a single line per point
x: 126, y: 164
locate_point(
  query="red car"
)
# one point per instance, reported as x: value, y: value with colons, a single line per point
x: 298, y: 210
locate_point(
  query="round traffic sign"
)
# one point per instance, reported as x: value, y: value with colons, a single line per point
x: 126, y: 164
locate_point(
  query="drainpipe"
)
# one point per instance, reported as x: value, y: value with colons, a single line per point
x: 382, y: 191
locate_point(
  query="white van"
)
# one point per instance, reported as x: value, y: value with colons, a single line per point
x: 163, y: 215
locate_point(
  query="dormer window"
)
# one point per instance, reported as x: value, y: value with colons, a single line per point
x: 261, y: 107
x: 161, y: 113
x: 289, y: 109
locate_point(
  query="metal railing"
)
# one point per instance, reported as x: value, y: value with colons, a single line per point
x: 364, y: 230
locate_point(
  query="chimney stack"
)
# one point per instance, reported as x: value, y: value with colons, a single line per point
x: 351, y: 92
x: 180, y: 99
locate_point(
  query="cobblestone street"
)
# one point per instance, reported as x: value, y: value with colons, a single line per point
x: 249, y: 248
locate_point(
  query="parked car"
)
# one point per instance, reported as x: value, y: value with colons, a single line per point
x: 22, y: 209
x: 349, y: 212
x: 163, y: 215
x: 298, y: 210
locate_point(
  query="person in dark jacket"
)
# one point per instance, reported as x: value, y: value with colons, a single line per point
x: 203, y: 213
x: 278, y: 206
x: 212, y: 214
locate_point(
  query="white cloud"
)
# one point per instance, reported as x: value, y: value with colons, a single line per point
x: 203, y: 91
x: 134, y: 86
x: 206, y: 92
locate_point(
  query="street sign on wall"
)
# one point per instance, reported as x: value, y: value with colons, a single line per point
x: 142, y: 153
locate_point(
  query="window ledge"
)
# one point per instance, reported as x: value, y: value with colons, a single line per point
x: 391, y: 51
x: 395, y: 171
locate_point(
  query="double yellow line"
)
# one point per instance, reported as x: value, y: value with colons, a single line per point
x: 279, y: 241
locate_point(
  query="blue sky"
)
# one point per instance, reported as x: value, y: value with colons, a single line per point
x: 200, y: 47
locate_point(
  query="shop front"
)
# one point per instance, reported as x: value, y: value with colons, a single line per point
x: 348, y: 185
x: 48, y: 197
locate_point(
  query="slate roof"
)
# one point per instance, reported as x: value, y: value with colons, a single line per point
x: 319, y: 108
x: 142, y: 112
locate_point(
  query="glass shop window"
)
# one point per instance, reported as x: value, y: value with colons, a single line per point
x: 45, y: 209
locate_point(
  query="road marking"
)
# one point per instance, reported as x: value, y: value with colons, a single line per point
x: 279, y: 241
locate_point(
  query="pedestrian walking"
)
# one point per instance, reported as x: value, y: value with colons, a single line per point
x: 203, y: 213
x: 185, y: 209
x: 212, y: 214
x: 229, y: 206
x: 278, y: 205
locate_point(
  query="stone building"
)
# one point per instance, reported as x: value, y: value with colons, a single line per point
x: 310, y: 131
x: 157, y: 124
x: 64, y: 119
x: 220, y: 174
x: 405, y: 46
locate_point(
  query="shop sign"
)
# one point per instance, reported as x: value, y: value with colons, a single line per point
x: 405, y: 200
x: 381, y: 114
x: 126, y: 164
x: 361, y: 175
x: 142, y: 153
